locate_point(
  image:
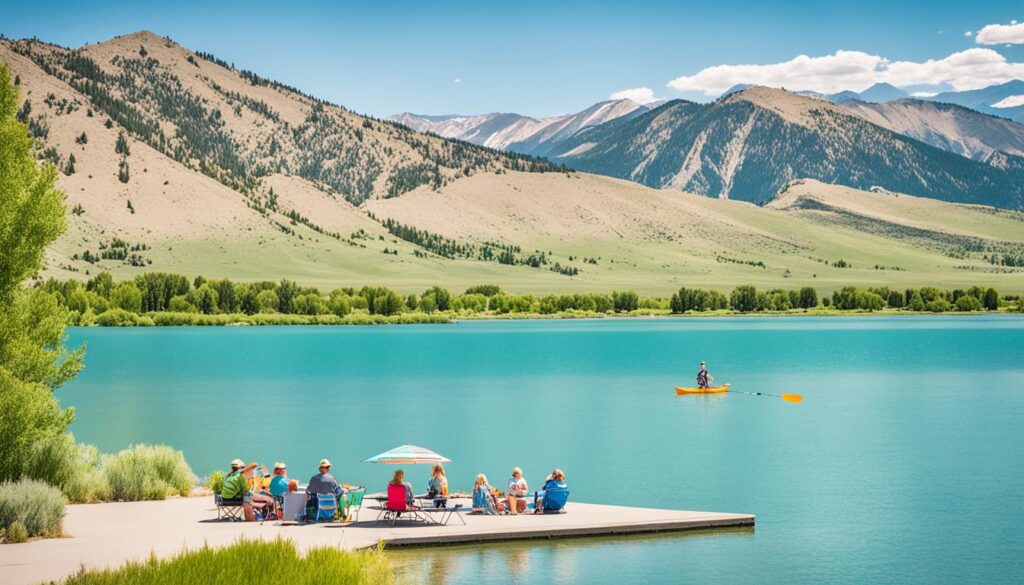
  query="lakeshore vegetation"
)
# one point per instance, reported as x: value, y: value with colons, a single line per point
x: 157, y: 298
x: 278, y: 561
x: 41, y: 464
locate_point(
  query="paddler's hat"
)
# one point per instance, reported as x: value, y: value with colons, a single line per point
x: 325, y: 463
x: 237, y: 463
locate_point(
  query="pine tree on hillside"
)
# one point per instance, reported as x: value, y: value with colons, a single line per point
x: 122, y: 145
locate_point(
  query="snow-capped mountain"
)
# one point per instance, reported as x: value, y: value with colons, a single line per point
x: 516, y: 132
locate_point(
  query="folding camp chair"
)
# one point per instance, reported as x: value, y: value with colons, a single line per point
x: 396, y: 506
x: 354, y: 501
x: 325, y: 507
x: 229, y: 509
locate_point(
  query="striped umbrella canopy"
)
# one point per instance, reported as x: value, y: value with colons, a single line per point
x: 408, y: 454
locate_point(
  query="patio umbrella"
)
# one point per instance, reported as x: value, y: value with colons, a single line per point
x: 407, y: 454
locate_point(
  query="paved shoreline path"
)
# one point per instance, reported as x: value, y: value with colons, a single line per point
x: 107, y: 535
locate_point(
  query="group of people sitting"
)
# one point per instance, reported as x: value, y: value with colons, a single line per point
x: 487, y: 499
x: 262, y: 495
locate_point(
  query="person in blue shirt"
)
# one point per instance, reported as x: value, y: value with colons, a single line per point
x: 484, y: 501
x: 279, y: 483
x: 555, y: 481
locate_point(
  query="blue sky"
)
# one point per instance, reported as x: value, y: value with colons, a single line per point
x: 543, y: 58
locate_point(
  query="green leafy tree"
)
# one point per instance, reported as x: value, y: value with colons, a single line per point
x: 127, y: 296
x: 267, y: 301
x: 967, y: 303
x: 204, y: 298
x: 808, y: 298
x: 625, y: 301
x: 227, y: 300
x: 309, y: 304
x: 442, y: 297
x: 33, y: 359
x: 427, y: 303
x: 387, y: 303
x: 340, y: 303
x: 991, y: 300
x: 743, y: 298
x: 286, y: 292
x: 916, y: 302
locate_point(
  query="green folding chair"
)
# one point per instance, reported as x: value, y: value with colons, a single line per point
x: 354, y: 503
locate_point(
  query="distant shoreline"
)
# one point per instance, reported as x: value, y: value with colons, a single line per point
x: 232, y: 320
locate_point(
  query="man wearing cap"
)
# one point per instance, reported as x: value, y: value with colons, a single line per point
x: 324, y: 483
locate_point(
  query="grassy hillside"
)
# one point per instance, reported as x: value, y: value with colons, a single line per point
x: 657, y: 240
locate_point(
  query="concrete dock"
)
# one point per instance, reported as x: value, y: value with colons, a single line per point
x: 107, y: 535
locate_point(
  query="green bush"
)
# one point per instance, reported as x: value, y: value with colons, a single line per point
x: 37, y: 506
x: 215, y: 482
x: 14, y: 533
x: 67, y: 465
x: 278, y: 561
x: 148, y: 472
x: 968, y: 303
x: 116, y: 318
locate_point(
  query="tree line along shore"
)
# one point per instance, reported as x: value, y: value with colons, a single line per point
x: 166, y: 299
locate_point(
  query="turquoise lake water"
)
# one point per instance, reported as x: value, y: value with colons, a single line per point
x: 903, y: 465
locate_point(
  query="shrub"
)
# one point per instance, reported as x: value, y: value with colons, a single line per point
x: 67, y: 465
x: 938, y: 306
x: 116, y: 318
x: 14, y: 533
x: 215, y: 482
x: 38, y: 507
x: 147, y: 472
x: 279, y: 559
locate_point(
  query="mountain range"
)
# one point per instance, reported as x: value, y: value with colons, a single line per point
x: 174, y: 160
x: 753, y: 140
x: 520, y: 133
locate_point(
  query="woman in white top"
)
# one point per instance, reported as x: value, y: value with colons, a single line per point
x: 517, y: 490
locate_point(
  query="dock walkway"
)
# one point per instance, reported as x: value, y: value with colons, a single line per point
x: 107, y: 535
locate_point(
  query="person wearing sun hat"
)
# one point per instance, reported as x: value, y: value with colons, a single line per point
x: 324, y: 483
x: 279, y: 483
x: 235, y: 485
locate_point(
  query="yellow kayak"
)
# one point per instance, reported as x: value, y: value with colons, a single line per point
x: 680, y: 391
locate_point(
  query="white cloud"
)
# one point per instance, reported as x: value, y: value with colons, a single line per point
x: 995, y: 34
x: 640, y: 95
x: 854, y: 70
x: 1010, y: 102
x: 457, y: 80
x: 969, y: 34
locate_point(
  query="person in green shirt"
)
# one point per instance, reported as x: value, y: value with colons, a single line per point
x: 236, y: 485
x: 236, y: 488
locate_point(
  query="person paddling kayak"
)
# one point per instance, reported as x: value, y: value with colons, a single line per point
x: 703, y: 376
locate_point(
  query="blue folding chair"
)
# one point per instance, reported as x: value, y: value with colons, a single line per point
x: 326, y: 507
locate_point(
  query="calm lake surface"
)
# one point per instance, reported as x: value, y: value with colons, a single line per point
x: 903, y: 465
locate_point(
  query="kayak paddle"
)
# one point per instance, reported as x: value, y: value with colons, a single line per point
x: 795, y: 398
